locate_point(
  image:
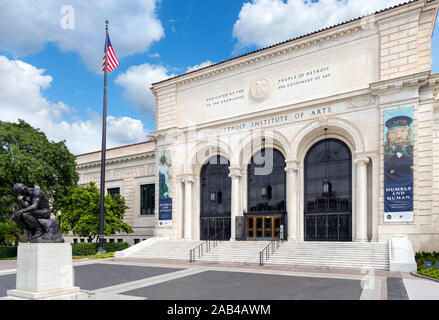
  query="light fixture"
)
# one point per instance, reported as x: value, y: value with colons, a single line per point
x: 264, y: 192
x: 325, y: 186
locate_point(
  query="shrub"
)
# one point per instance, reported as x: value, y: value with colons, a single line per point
x: 430, y: 272
x: 116, y: 246
x: 84, y: 248
x: 8, y: 252
x: 90, y: 248
x: 422, y: 257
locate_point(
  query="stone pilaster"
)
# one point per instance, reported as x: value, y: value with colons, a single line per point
x: 235, y: 175
x: 361, y: 201
x: 188, y: 180
x: 292, y: 169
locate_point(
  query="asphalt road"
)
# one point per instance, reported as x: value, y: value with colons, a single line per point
x: 208, y: 285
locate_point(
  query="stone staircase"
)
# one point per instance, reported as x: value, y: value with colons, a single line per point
x: 358, y: 255
x: 166, y: 249
x: 235, y: 252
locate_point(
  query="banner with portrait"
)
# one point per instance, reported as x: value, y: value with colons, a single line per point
x: 398, y: 165
x: 165, y: 188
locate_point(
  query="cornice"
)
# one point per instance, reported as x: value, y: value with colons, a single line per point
x: 416, y: 79
x: 123, y: 159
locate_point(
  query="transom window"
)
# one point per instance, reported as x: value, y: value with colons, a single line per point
x: 267, y: 190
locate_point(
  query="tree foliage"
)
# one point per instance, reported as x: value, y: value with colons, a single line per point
x: 28, y: 157
x: 80, y: 212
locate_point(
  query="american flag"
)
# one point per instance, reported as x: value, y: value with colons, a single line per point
x: 112, y: 62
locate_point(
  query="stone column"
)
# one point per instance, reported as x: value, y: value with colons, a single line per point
x: 188, y: 180
x: 235, y: 175
x: 292, y: 170
x: 361, y: 215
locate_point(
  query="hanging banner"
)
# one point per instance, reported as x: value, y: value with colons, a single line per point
x: 398, y: 165
x: 165, y: 188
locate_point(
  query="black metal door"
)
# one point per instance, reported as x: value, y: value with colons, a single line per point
x: 328, y: 192
x: 215, y: 199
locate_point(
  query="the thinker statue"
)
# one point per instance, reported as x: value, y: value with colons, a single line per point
x: 34, y: 216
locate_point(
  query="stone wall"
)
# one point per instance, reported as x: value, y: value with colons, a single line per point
x: 127, y: 168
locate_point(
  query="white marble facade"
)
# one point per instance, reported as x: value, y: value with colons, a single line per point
x: 341, y: 79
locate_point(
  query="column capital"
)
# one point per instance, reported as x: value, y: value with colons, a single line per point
x: 235, y: 172
x: 292, y: 166
x: 361, y: 161
x: 187, y: 178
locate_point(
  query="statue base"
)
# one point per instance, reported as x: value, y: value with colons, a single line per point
x: 45, y: 272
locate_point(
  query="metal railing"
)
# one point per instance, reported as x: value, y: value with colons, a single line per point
x: 269, y: 249
x: 206, y: 246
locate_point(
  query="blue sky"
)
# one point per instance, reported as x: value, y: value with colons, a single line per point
x: 50, y: 74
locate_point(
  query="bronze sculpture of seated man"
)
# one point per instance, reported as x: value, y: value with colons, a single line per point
x: 34, y: 206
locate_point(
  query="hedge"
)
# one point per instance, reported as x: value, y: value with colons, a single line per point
x: 8, y: 252
x: 90, y: 248
x: 422, y: 257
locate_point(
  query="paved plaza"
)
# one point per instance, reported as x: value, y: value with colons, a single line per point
x: 116, y: 280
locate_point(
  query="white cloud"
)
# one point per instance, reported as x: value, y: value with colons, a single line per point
x: 136, y: 82
x: 266, y: 22
x: 21, y: 97
x: 26, y: 25
x: 199, y: 66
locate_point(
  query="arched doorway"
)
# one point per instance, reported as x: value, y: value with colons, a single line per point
x: 266, y: 195
x: 328, y: 192
x: 215, y: 215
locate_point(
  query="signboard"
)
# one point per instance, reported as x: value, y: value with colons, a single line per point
x: 165, y: 188
x: 398, y: 165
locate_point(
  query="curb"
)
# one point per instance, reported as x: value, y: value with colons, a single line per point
x: 423, y: 277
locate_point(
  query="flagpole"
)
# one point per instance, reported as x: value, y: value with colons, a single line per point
x: 103, y: 150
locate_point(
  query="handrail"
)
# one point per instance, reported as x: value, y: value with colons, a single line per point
x: 212, y: 242
x: 274, y: 245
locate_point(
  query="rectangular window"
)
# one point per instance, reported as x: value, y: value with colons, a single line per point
x: 119, y: 240
x: 75, y: 240
x: 113, y: 191
x: 136, y: 241
x: 147, y: 199
x: 111, y: 240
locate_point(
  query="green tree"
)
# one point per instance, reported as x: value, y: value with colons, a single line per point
x: 80, y: 213
x: 28, y: 157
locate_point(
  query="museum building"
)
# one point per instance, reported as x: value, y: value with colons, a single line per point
x: 331, y: 136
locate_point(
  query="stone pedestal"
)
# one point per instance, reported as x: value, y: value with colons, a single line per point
x: 45, y: 271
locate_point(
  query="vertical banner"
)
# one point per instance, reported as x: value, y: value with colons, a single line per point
x: 398, y: 165
x: 165, y: 188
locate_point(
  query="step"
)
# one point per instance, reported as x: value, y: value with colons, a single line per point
x: 316, y: 254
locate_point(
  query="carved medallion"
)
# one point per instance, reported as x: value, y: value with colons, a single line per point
x: 262, y: 88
